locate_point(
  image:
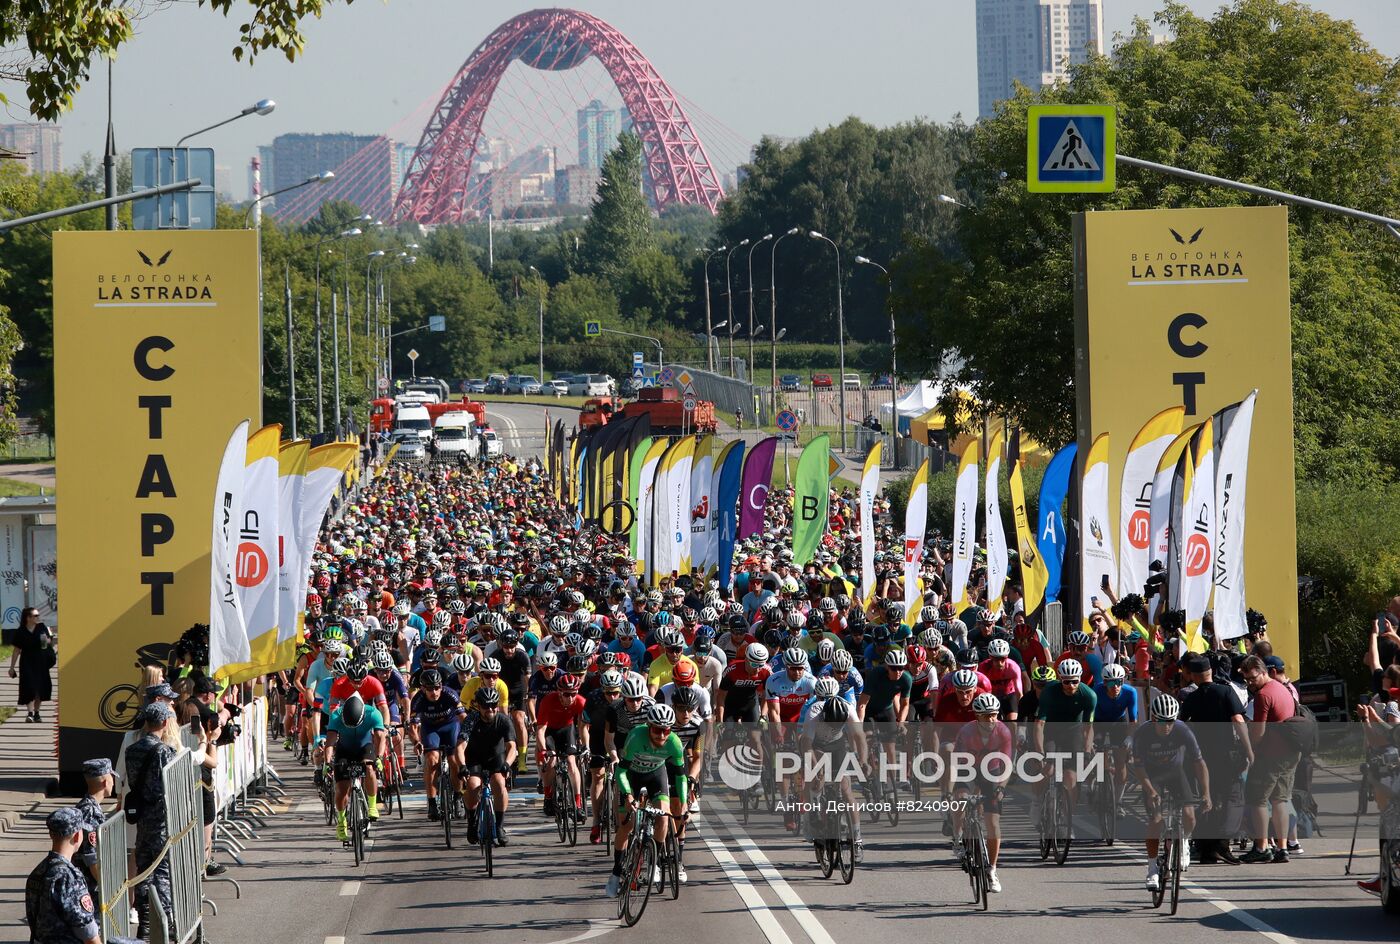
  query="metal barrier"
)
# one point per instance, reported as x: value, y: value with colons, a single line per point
x: 728, y: 395
x: 112, y: 886
x: 183, y: 823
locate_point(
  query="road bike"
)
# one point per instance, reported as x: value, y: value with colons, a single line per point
x: 977, y: 862
x: 357, y: 814
x: 566, y: 812
x: 391, y: 785
x: 1169, y: 852
x: 1104, y: 794
x: 639, y: 863
x: 607, y: 804
x: 449, y: 800
x: 1056, y: 815
x: 486, y: 824
x: 835, y: 841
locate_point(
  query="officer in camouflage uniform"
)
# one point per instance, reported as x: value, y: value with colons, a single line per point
x: 99, y: 787
x: 145, y: 760
x: 57, y: 904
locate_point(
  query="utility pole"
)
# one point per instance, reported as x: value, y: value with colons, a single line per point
x: 291, y: 354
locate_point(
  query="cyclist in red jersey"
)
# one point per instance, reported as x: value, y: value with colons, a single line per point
x: 1005, y: 676
x: 358, y: 679
x: 990, y: 745
x: 556, y: 720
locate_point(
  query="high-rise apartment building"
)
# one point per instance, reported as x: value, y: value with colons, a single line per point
x: 38, y: 145
x: 598, y: 128
x: 1032, y: 42
x: 365, y: 166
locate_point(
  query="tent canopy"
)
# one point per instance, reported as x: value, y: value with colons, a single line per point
x: 922, y: 398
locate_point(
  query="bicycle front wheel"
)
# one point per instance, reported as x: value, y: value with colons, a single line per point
x: 636, y: 889
x: 1177, y: 852
x: 446, y: 805
x: 1108, y: 809
x: 1064, y: 817
x: 892, y: 798
x: 1046, y: 825
x: 672, y: 875
x: 357, y: 836
x: 845, y: 850
x: 1164, y: 864
x: 486, y: 835
x: 606, y: 814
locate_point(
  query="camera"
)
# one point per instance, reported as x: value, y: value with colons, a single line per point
x: 229, y: 734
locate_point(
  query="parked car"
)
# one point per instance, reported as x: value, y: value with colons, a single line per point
x: 850, y: 381
x: 412, y: 447
x: 882, y: 382
x: 557, y: 387
x: 822, y: 380
x: 790, y: 382
x: 495, y: 383
x: 523, y: 384
x: 592, y: 385
x: 475, y: 385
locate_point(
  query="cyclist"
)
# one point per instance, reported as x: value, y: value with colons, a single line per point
x: 490, y: 752
x: 1115, y: 717
x: 1004, y: 675
x: 555, y: 732
x: 515, y: 673
x: 690, y: 728
x: 682, y: 679
x: 598, y: 704
x: 434, y: 724
x: 673, y: 655
x: 988, y: 744
x: 830, y: 729
x: 1161, y: 749
x: 843, y: 669
x: 354, y: 740
x: 885, y: 700
x: 1065, y: 724
x: 783, y: 696
x: 396, y: 691
x: 651, y: 759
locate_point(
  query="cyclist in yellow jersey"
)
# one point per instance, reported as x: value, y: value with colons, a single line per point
x: 488, y: 674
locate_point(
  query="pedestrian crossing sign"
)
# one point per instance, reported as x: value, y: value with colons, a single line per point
x: 1070, y: 148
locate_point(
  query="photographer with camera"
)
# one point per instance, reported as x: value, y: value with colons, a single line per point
x: 1380, y: 777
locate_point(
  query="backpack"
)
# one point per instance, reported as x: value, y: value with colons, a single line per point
x: 1300, y: 731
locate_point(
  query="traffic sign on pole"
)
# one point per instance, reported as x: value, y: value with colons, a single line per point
x: 412, y: 354
x: 834, y: 466
x: 666, y: 376
x: 637, y: 359
x: 787, y: 421
x: 689, y: 403
x: 1070, y: 148
x: 683, y: 378
x: 592, y: 329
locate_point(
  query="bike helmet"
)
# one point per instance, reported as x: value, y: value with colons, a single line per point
x: 686, y: 698
x: 611, y: 680
x: 917, y: 654
x: 578, y: 665
x: 402, y: 609
x: 756, y: 654
x: 490, y: 667
x: 896, y: 659
x: 964, y: 678
x: 794, y: 657
x: 357, y: 671
x: 826, y: 686
x: 340, y: 666
x: 709, y: 616
x: 433, y: 637
x: 683, y: 673
x: 1069, y: 669
x: 382, y: 659
x: 313, y: 599
x: 430, y: 678
x: 1043, y: 673
x: 836, y: 710
x: 827, y: 605
x: 1113, y: 672
x: 487, y: 696
x: 1078, y: 638
x: 931, y: 639
x: 928, y: 614
x: 842, y: 661
x: 607, y: 659
x: 825, y: 650
x: 1165, y: 708
x: 441, y: 620
x: 998, y: 648
x: 843, y: 602
x: 660, y: 716
x: 457, y: 608
x: 547, y: 660
x: 894, y: 613
x: 986, y: 704
x: 634, y: 686
x: 569, y: 683
x: 463, y: 662
x: 353, y: 711
x: 558, y: 625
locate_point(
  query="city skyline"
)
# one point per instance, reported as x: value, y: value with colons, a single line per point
x: 872, y: 67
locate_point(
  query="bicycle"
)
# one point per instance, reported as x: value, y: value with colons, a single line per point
x: 486, y: 824
x: 448, y: 799
x: 1056, y: 815
x: 566, y: 817
x: 639, y: 863
x: 835, y: 842
x: 977, y: 862
x: 1105, y: 796
x: 391, y: 790
x: 607, y: 803
x: 1169, y: 852
x: 358, y: 816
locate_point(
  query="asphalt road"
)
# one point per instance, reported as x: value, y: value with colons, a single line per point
x: 757, y: 883
x: 522, y: 426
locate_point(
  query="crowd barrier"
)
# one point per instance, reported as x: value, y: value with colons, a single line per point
x: 242, y: 781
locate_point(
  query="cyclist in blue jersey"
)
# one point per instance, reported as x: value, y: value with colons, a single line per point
x: 842, y: 668
x: 1115, y: 716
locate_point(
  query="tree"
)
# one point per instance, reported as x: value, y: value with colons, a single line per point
x: 619, y: 228
x: 61, y: 40
x: 1267, y: 91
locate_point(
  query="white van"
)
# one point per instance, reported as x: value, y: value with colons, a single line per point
x: 455, y: 435
x: 491, y: 444
x: 414, y: 418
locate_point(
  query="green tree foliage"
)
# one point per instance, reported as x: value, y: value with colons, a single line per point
x: 62, y: 38
x: 869, y: 189
x: 1267, y: 91
x: 619, y: 228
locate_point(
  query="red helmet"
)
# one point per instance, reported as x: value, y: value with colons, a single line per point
x: 683, y: 673
x: 917, y: 655
x: 313, y: 599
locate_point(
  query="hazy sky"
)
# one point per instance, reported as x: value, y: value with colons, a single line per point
x: 768, y: 67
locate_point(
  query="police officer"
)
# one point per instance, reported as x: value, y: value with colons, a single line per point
x: 57, y: 903
x: 100, y: 781
x: 145, y: 759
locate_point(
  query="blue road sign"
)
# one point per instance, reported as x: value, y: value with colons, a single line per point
x: 666, y: 376
x: 592, y: 329
x: 638, y: 372
x: 1070, y: 148
x: 637, y: 359
x: 787, y: 421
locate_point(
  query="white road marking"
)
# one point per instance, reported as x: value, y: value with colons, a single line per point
x: 757, y: 908
x: 597, y: 928
x: 790, y: 898
x: 349, y: 889
x: 335, y: 940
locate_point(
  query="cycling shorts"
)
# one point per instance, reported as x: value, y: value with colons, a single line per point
x: 443, y: 737
x: 486, y: 768
x: 563, y: 741
x: 1173, y: 784
x: 350, y: 761
x: 747, y: 713
x: 656, y: 784
x: 886, y: 729
x: 992, y: 793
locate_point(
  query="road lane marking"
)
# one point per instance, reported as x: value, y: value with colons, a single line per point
x: 597, y: 928
x: 349, y: 889
x: 753, y: 901
x: 338, y: 939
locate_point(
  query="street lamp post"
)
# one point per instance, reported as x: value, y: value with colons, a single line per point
x: 777, y: 335
x: 542, y: 283
x: 840, y: 332
x: 765, y: 238
x: 403, y: 258
x: 894, y: 369
x: 261, y: 107
x: 709, y: 330
x: 320, y: 404
x: 729, y: 296
x: 371, y: 336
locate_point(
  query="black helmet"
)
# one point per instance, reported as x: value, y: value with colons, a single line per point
x: 353, y: 711
x: 687, y: 698
x: 487, y: 696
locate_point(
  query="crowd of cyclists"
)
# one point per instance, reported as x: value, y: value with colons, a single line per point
x: 458, y: 621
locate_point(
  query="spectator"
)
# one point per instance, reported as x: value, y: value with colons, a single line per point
x: 1384, y: 649
x: 35, y: 653
x: 1276, y: 669
x: 1216, y: 716
x: 1269, y: 787
x: 57, y: 904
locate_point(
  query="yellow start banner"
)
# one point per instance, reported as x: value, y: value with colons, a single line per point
x: 155, y: 361
x: 1190, y: 308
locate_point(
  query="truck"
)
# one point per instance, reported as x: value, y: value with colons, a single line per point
x: 597, y: 411
x: 383, y: 410
x: 455, y: 436
x: 663, y: 405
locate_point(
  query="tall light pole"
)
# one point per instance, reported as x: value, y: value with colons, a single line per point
x: 403, y: 258
x: 765, y: 238
x: 542, y: 283
x: 729, y: 295
x: 894, y: 368
x: 709, y: 329
x: 840, y: 332
x: 777, y: 335
x: 261, y: 107
x: 371, y: 336
x: 320, y: 404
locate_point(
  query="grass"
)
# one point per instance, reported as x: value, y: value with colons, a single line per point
x: 17, y: 488
x: 5, y: 710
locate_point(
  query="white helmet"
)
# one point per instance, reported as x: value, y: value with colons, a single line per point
x: 826, y: 687
x: 1069, y: 669
x: 841, y: 661
x: 998, y: 649
x: 794, y: 657
x: 634, y: 686
x: 547, y: 660
x: 986, y: 704
x: 756, y: 654
x: 1113, y: 672
x: 463, y: 662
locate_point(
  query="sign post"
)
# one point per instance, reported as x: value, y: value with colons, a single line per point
x: 1070, y: 149
x: 413, y: 359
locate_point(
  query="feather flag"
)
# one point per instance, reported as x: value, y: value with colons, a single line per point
x: 1135, y: 496
x: 997, y: 559
x: 964, y: 525
x: 869, y: 487
x: 1231, y: 475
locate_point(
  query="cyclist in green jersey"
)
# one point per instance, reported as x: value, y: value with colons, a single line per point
x: 652, y: 758
x: 1068, y: 707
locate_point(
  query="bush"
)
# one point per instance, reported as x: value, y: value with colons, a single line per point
x: 942, y: 493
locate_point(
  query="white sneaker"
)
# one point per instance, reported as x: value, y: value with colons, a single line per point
x: 1154, y: 878
x: 860, y: 852
x: 1185, y: 862
x: 680, y: 874
x: 656, y: 875
x: 958, y: 851
x: 995, y: 884
x: 614, y: 885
